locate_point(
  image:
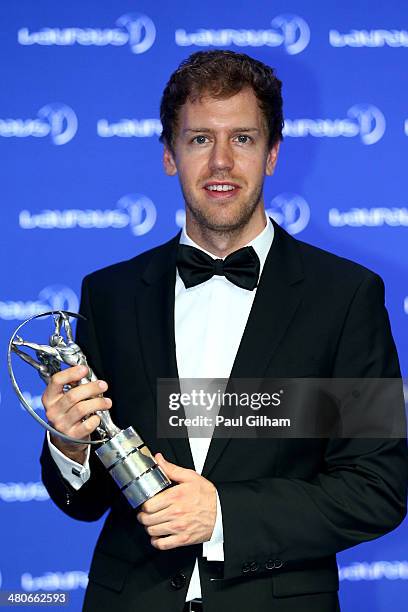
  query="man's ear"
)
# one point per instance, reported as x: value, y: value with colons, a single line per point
x: 272, y: 159
x: 169, y: 162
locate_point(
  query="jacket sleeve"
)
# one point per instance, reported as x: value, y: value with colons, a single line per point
x: 360, y: 492
x: 92, y: 500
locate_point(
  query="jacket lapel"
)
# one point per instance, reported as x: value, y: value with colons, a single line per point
x: 155, y: 319
x: 277, y: 299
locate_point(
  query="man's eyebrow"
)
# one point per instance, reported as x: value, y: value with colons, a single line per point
x: 208, y: 130
x: 246, y: 129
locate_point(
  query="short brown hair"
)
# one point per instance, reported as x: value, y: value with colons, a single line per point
x: 221, y: 74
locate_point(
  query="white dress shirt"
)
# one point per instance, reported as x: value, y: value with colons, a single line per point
x: 209, y: 320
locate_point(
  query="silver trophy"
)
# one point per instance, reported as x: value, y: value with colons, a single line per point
x: 122, y: 452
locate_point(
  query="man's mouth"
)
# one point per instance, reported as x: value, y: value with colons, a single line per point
x: 221, y: 187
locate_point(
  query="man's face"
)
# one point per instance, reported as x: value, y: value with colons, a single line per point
x: 221, y: 156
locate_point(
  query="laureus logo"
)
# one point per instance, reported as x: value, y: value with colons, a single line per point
x: 54, y: 581
x: 56, y: 120
x: 134, y: 29
x: 371, y: 122
x: 62, y: 120
x: 141, y: 210
x: 288, y: 31
x: 369, y: 38
x: 135, y: 211
x: 141, y: 31
x: 295, y: 32
x: 363, y: 120
x: 59, y: 297
x: 290, y: 211
x: 52, y: 297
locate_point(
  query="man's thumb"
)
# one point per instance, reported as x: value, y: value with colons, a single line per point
x: 175, y: 472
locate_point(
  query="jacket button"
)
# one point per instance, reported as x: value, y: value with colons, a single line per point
x: 178, y: 581
x: 254, y: 566
x: 246, y: 568
x: 270, y: 565
x: 278, y: 563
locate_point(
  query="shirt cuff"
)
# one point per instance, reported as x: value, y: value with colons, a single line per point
x: 75, y: 473
x: 214, y: 548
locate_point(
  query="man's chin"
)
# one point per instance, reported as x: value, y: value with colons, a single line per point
x: 221, y: 225
x: 221, y: 220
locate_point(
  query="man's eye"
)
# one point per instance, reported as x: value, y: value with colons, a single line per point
x: 243, y: 138
x: 200, y: 139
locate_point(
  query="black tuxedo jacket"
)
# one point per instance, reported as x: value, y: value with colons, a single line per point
x: 288, y: 505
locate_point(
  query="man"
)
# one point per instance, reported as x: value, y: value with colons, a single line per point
x: 249, y: 524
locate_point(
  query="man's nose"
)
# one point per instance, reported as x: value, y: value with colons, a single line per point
x: 221, y: 157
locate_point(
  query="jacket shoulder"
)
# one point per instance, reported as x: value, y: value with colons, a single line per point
x: 130, y: 270
x: 319, y: 262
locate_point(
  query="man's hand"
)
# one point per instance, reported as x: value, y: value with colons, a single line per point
x: 182, y: 515
x: 72, y: 413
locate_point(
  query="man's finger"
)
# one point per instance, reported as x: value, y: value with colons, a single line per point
x: 154, y: 518
x: 168, y: 542
x: 161, y: 501
x: 164, y: 529
x: 86, y: 428
x: 176, y: 473
x: 85, y: 392
x: 65, y: 377
x: 83, y: 410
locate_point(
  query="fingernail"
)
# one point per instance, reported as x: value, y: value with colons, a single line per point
x: 83, y: 369
x: 102, y: 385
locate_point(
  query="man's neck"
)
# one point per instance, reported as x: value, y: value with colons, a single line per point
x: 222, y: 244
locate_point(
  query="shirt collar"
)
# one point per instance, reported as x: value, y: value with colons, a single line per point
x: 261, y: 243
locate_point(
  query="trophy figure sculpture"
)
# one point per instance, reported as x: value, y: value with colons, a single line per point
x: 122, y: 452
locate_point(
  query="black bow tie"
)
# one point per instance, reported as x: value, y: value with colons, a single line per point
x: 241, y: 267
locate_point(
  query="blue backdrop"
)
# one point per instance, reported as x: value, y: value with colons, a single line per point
x: 82, y: 186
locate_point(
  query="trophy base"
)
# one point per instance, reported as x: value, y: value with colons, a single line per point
x: 132, y: 466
